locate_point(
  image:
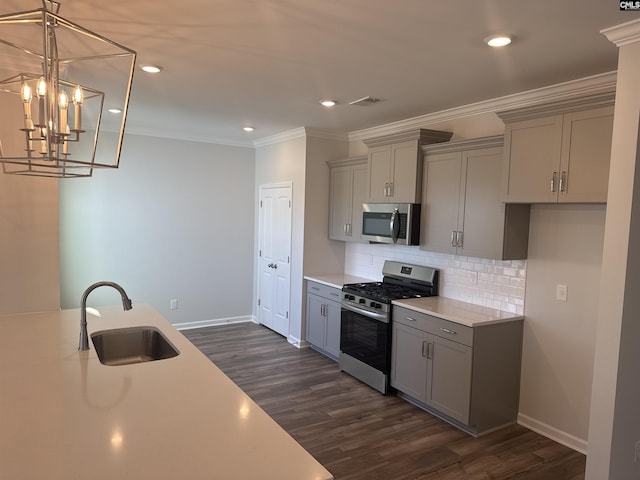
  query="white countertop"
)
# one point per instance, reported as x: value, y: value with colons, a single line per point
x: 456, y: 311
x: 337, y: 280
x: 64, y: 415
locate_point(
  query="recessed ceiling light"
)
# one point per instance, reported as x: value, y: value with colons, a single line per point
x: 115, y: 110
x: 248, y: 129
x: 151, y: 68
x: 328, y: 103
x: 498, y: 40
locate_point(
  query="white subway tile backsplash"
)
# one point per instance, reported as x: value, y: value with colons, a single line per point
x: 500, y: 284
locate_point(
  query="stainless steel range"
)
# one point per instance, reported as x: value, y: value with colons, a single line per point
x: 365, y: 326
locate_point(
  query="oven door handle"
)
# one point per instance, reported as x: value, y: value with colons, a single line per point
x: 381, y: 317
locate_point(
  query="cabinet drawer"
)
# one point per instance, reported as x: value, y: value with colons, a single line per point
x: 434, y: 325
x: 324, y: 291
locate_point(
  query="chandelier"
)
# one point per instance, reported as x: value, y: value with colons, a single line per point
x: 56, y: 81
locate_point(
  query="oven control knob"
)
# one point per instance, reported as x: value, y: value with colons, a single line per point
x: 373, y: 304
x: 349, y: 297
x: 362, y: 300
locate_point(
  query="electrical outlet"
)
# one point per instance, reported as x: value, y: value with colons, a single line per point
x: 173, y: 304
x: 636, y: 455
x: 561, y: 293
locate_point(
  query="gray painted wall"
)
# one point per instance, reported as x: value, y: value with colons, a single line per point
x: 175, y: 221
x: 565, y: 247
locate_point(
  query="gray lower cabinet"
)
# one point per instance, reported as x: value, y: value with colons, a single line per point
x: 323, y: 318
x: 467, y: 376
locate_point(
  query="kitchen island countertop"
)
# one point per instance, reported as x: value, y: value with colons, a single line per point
x: 64, y: 415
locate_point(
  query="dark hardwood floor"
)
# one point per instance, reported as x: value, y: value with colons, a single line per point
x: 357, y: 433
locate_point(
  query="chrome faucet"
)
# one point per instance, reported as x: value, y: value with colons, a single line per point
x: 126, y: 303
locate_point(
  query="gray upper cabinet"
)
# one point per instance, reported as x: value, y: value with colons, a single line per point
x: 395, y: 167
x: 462, y: 212
x: 558, y: 153
x: 348, y: 191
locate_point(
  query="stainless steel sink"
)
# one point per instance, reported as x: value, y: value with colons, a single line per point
x: 125, y: 346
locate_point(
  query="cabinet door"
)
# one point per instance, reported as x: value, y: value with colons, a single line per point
x: 532, y: 154
x: 482, y: 214
x: 449, y: 385
x: 332, y: 335
x: 441, y: 201
x: 586, y: 152
x: 358, y: 197
x: 405, y: 175
x: 316, y: 322
x: 409, y: 365
x: 340, y: 202
x: 379, y: 168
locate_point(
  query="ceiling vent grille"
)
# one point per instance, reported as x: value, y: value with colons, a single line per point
x: 365, y: 101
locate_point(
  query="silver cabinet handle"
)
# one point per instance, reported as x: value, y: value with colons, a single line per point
x: 275, y: 265
x: 344, y: 229
x: 430, y: 350
x: 459, y: 239
x: 386, y: 189
x: 563, y: 180
x: 315, y: 288
x: 553, y: 182
x: 410, y: 319
x: 453, y: 238
x: 348, y: 229
x: 391, y: 189
x: 446, y: 330
x: 425, y: 349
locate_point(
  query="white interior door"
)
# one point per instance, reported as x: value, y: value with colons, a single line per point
x: 275, y: 257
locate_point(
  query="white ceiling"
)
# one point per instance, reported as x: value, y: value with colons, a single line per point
x: 267, y: 63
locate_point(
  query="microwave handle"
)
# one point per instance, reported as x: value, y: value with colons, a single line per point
x: 395, y: 225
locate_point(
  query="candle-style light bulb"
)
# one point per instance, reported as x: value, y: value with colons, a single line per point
x: 25, y: 93
x: 41, y: 93
x: 63, y: 103
x: 78, y: 99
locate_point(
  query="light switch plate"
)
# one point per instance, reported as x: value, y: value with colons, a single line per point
x: 561, y: 293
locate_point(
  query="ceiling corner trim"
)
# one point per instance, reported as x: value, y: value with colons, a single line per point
x: 604, y: 82
x: 623, y: 34
x: 185, y: 137
x: 280, y: 137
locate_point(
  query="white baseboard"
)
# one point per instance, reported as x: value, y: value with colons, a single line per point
x: 214, y: 322
x: 548, y: 431
x: 295, y: 341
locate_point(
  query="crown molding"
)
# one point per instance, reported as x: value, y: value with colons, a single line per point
x: 605, y: 99
x: 604, y: 82
x: 183, y: 136
x: 423, y: 136
x: 343, y: 162
x: 461, y: 145
x: 623, y: 34
x: 326, y: 135
x: 293, y: 134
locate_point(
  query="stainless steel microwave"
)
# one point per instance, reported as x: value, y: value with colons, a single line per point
x: 397, y: 223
